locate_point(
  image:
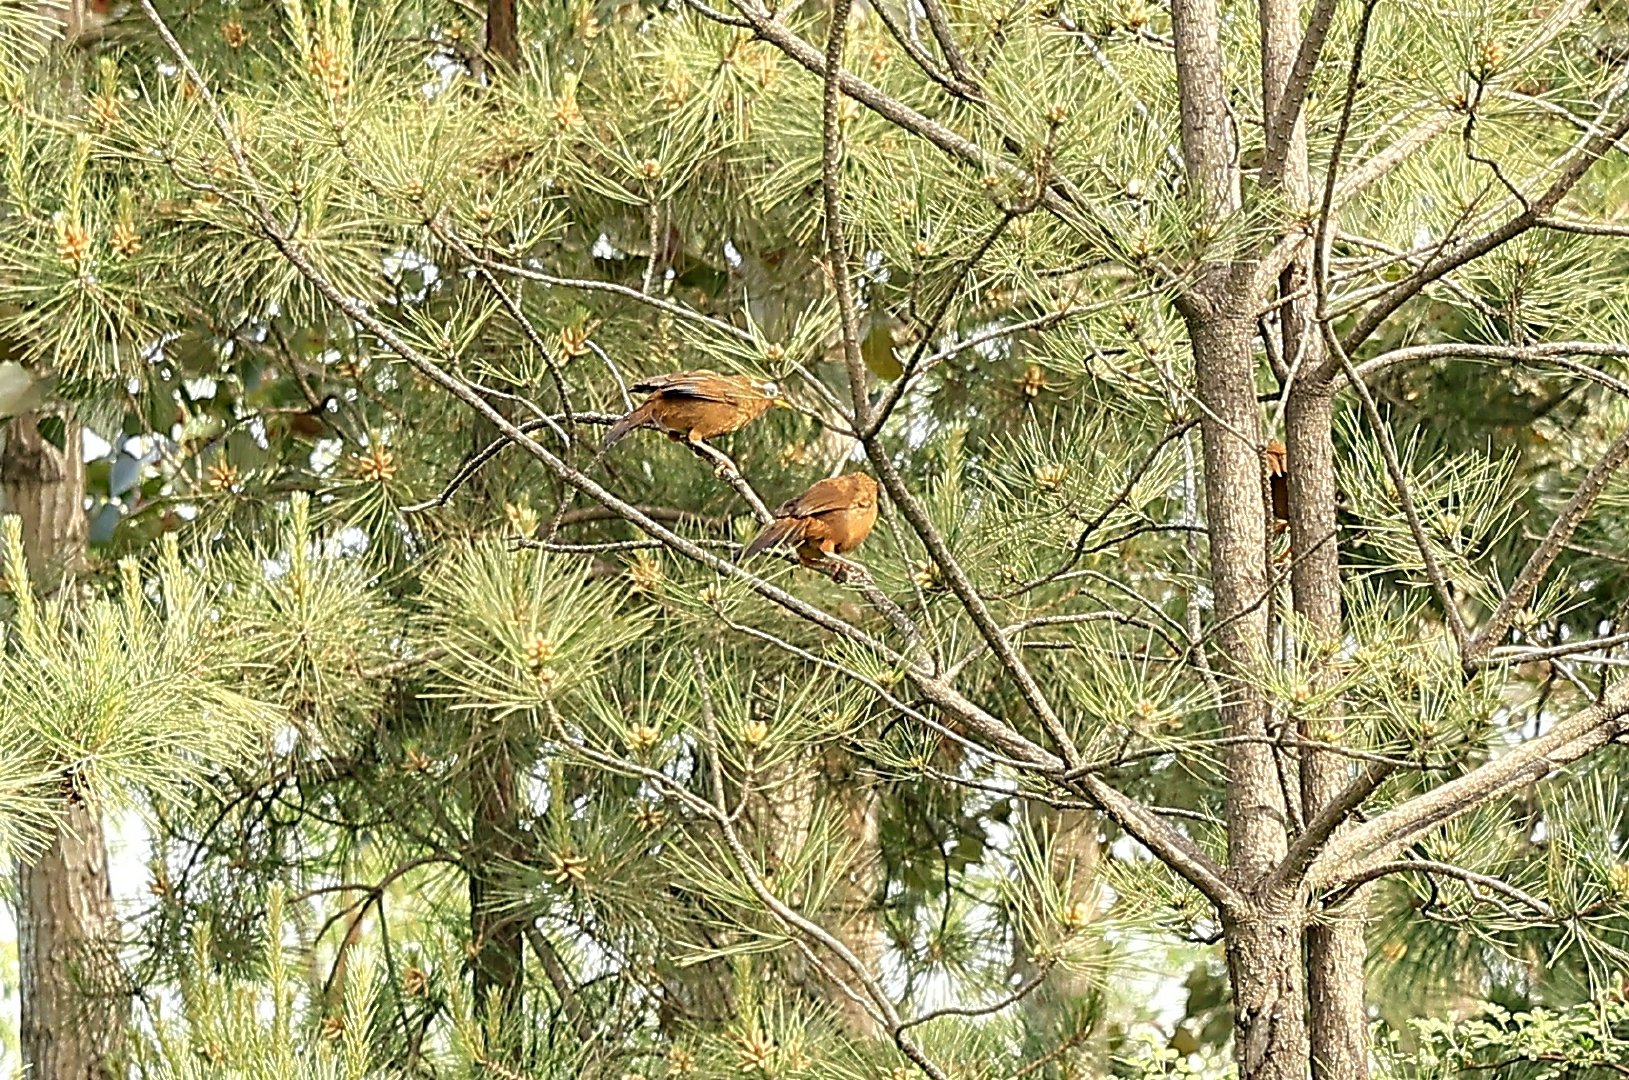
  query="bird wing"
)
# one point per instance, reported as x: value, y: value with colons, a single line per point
x: 822, y: 498
x: 701, y: 385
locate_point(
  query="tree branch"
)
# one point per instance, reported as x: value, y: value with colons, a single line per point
x: 1352, y: 853
x: 1538, y: 564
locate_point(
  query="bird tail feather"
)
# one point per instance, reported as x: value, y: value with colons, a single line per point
x: 619, y: 430
x: 777, y: 533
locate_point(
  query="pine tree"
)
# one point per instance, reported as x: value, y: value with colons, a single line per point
x: 559, y: 788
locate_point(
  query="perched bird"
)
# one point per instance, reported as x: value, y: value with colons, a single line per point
x: 694, y: 406
x: 1276, y: 457
x: 831, y: 518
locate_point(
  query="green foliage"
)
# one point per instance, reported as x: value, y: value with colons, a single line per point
x: 125, y: 699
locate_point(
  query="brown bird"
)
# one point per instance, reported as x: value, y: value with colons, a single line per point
x: 831, y: 518
x: 1276, y: 457
x: 694, y: 406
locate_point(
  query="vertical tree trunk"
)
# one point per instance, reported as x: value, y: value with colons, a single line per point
x: 1264, y: 964
x: 1061, y: 1010
x: 496, y: 934
x: 503, y: 32
x: 786, y: 811
x: 74, y: 1010
x: 855, y: 916
x: 1336, y: 948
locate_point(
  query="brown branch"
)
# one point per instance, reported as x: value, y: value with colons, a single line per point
x: 1282, y: 115
x: 1538, y: 564
x: 831, y: 190
x: 1354, y: 851
x: 1582, y: 157
x: 1469, y: 877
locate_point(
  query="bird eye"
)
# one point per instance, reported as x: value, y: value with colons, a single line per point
x: 771, y: 389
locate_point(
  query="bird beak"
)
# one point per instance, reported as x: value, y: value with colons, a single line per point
x: 781, y: 403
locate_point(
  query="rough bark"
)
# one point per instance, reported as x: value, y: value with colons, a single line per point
x: 1335, y: 947
x: 856, y: 916
x: 496, y: 934
x: 1060, y: 1011
x: 74, y: 1010
x: 502, y: 32
x: 1269, y: 996
x: 784, y: 810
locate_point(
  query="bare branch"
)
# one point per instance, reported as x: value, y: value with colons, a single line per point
x: 1576, y: 165
x: 1353, y: 852
x: 1470, y: 877
x: 1538, y: 564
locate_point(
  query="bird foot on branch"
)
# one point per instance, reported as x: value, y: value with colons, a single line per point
x: 842, y: 571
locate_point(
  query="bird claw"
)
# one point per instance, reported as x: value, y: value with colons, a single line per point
x: 843, y: 571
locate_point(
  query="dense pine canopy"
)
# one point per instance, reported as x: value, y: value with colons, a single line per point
x: 458, y: 745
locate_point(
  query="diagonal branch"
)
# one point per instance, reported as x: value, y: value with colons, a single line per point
x: 1357, y: 850
x: 1554, y: 542
x: 1283, y: 114
x: 1577, y: 165
x: 1469, y: 877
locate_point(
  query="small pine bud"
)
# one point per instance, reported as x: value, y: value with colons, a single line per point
x: 73, y: 241
x: 1076, y: 916
x: 567, y: 114
x: 681, y: 1061
x: 234, y: 34
x: 332, y: 1028
x: 124, y: 240
x: 928, y: 576
x: 646, y: 573
x: 650, y: 169
x: 642, y: 737
x: 1394, y: 950
x: 539, y: 651
x: 1050, y: 477
x: 649, y: 817
x: 377, y: 465
x: 104, y: 108
x: 755, y: 733
x: 222, y: 476
x: 755, y: 1051
x: 775, y: 352
x: 415, y: 983
x: 574, y: 339
x: 1032, y: 382
x: 568, y: 868
x: 1617, y: 879
x: 522, y: 518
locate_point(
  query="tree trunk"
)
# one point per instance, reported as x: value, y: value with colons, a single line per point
x: 1264, y: 965
x: 74, y: 1009
x: 496, y: 934
x: 855, y: 916
x: 1062, y: 1010
x: 1336, y: 948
